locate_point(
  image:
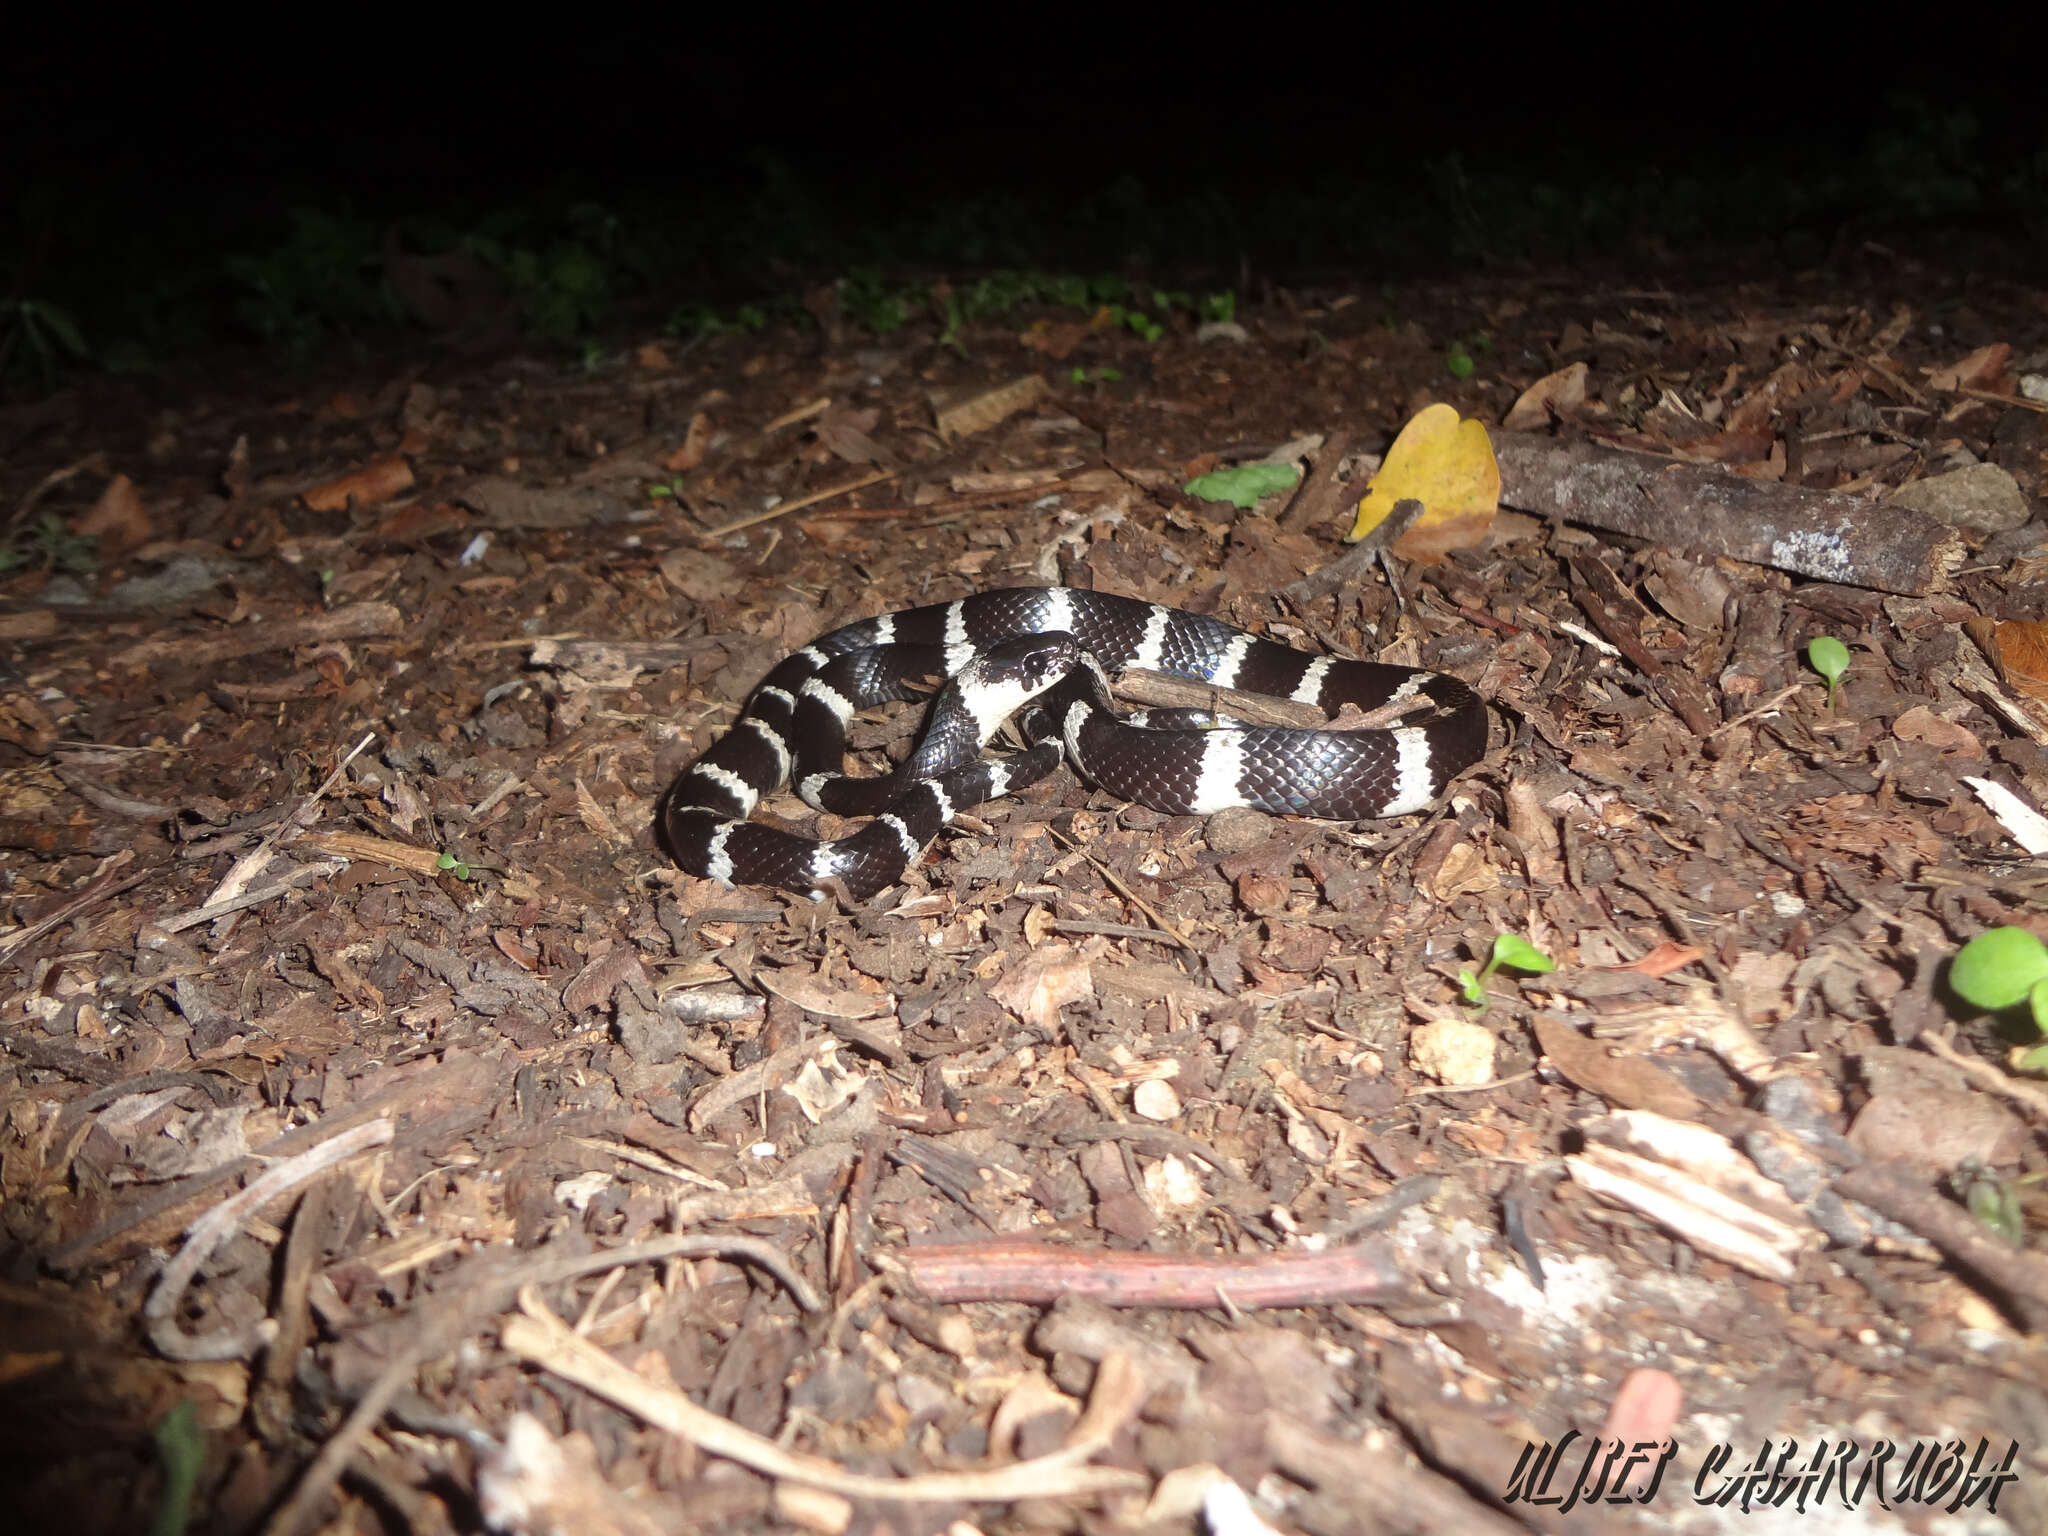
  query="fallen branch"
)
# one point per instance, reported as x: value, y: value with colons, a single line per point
x: 1010, y: 1270
x: 1823, y: 534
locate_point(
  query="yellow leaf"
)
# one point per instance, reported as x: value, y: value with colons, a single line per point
x: 1447, y: 465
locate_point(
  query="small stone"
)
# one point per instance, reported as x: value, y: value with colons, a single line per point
x: 1982, y: 497
x: 1237, y: 830
x: 1154, y: 1099
x: 1173, y: 1187
x: 1456, y: 1052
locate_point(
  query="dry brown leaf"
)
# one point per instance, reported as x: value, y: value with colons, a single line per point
x: 1555, y: 394
x: 695, y: 441
x: 2020, y: 648
x: 1036, y: 990
x: 1922, y: 724
x: 1983, y: 369
x: 813, y: 996
x: 376, y: 482
x: 979, y: 412
x: 1664, y: 959
x: 118, y: 520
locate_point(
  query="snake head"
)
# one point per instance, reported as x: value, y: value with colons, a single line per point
x: 1003, y: 678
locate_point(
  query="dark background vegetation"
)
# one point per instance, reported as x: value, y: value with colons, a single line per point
x: 173, y: 190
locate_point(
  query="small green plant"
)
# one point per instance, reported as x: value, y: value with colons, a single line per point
x: 36, y: 340
x: 1999, y: 970
x: 182, y: 1449
x: 450, y: 864
x: 1995, y: 1202
x: 1830, y: 658
x: 867, y: 300
x: 1219, y: 308
x: 325, y: 278
x: 1142, y: 325
x: 1509, y: 952
x: 1086, y: 376
x: 48, y: 544
x: 1458, y: 358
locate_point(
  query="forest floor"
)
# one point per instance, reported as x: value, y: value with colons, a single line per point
x: 597, y: 1196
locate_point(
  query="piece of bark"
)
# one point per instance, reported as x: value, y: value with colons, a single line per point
x: 358, y: 621
x: 1823, y: 534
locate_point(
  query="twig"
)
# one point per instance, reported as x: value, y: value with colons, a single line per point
x: 305, y: 874
x: 326, y: 1468
x: 1319, y: 494
x: 103, y: 885
x: 1900, y: 1192
x: 1012, y: 1270
x: 541, y: 1338
x: 250, y: 865
x: 783, y: 509
x: 1985, y: 1075
x: 1123, y: 889
x: 1159, y: 690
x: 222, y: 1222
x: 1355, y: 561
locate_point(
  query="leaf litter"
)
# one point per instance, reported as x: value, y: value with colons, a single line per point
x: 1113, y: 1158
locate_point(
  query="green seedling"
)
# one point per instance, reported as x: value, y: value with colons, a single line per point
x: 37, y: 338
x: 181, y: 1449
x: 1244, y: 486
x: 1995, y: 1202
x: 1830, y: 658
x: 1096, y: 375
x: 48, y: 544
x: 449, y: 864
x: 2001, y: 969
x: 1511, y: 953
x: 1458, y: 357
x: 1220, y: 308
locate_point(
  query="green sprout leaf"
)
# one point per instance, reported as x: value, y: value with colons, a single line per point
x: 181, y: 1448
x: 1510, y: 953
x: 1459, y: 361
x: 1245, y: 486
x: 2000, y: 969
x: 1518, y: 954
x: 1996, y: 1205
x: 1830, y: 658
x: 446, y: 861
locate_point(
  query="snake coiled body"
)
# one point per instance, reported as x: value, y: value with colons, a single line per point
x: 1042, y: 653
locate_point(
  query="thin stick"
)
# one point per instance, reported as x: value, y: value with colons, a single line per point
x: 326, y: 1470
x: 542, y: 1338
x: 220, y: 1223
x: 783, y: 509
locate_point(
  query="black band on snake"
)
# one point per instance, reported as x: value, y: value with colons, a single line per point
x: 1043, y: 651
